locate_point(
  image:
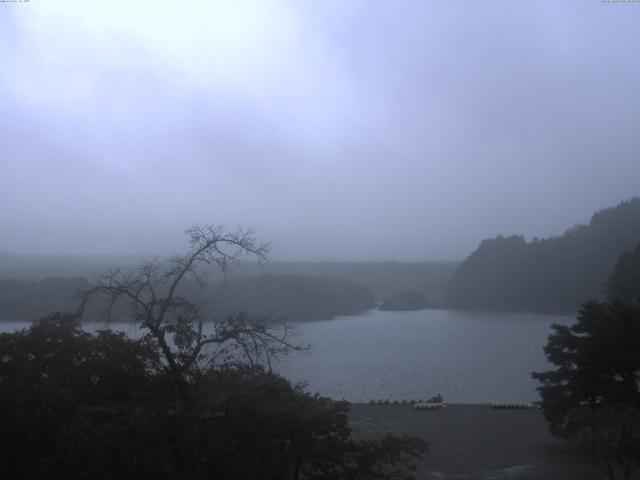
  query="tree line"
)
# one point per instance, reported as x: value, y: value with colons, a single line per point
x: 553, y: 274
x: 297, y: 297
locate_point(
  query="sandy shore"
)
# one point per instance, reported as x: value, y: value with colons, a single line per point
x: 476, y: 442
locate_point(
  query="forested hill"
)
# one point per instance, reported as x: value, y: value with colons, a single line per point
x: 295, y: 297
x: 552, y: 274
x: 384, y: 279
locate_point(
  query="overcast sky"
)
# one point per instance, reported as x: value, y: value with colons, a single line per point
x: 339, y: 130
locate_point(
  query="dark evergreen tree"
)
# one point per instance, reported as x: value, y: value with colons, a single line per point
x: 592, y: 398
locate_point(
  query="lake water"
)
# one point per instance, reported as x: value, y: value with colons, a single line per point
x: 467, y: 357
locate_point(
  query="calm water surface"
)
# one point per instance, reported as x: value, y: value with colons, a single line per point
x: 467, y: 357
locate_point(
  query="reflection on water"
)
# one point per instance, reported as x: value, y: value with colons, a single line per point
x: 468, y: 357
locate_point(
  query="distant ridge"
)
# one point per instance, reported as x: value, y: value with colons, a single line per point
x: 20, y: 266
x: 554, y: 274
x: 384, y: 279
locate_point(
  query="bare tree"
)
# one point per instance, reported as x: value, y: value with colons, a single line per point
x: 175, y: 322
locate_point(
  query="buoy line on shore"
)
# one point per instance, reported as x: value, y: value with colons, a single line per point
x: 427, y: 405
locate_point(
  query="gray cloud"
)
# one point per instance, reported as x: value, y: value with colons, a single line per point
x: 339, y: 130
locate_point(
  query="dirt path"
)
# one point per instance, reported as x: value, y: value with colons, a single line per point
x: 476, y: 442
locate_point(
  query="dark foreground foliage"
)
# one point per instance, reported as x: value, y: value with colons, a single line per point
x: 592, y: 399
x: 597, y: 360
x: 75, y: 405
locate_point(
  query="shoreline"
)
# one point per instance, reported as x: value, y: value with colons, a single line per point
x: 542, y: 311
x: 474, y: 441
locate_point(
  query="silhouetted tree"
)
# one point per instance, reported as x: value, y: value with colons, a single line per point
x: 189, y: 400
x: 175, y: 322
x: 592, y: 398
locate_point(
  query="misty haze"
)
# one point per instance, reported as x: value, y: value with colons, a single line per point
x: 320, y: 240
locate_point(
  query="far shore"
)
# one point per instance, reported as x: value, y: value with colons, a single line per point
x: 487, y: 310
